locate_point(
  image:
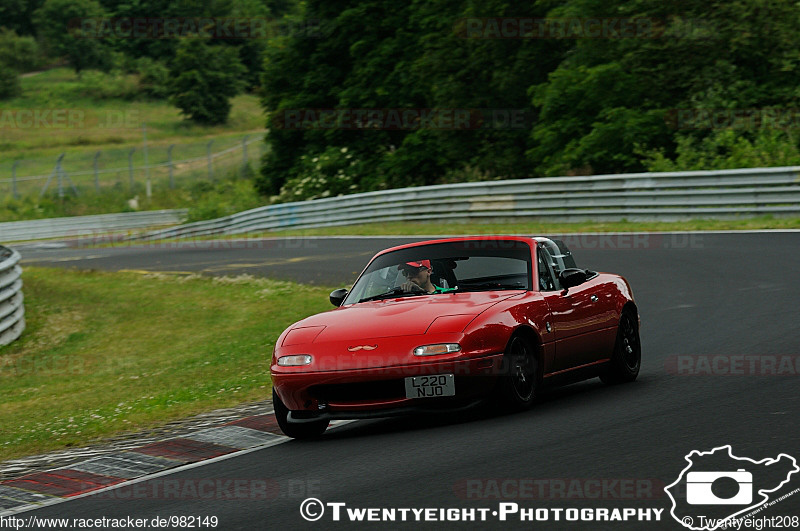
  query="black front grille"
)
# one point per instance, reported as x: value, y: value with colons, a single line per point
x: 356, y: 392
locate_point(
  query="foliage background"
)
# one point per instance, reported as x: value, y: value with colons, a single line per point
x: 600, y: 105
x: 594, y: 105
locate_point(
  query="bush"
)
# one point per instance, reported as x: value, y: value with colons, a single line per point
x: 9, y: 83
x: 20, y: 53
x: 466, y: 174
x: 153, y: 78
x: 222, y: 198
x: 728, y: 149
x: 100, y: 85
x: 331, y: 173
x: 53, y: 24
x: 203, y: 79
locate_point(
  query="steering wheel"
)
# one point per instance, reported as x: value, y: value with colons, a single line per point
x: 412, y: 288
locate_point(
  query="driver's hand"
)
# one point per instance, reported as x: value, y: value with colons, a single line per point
x: 410, y: 286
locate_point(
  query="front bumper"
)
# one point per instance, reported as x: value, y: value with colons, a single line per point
x: 300, y: 417
x: 381, y: 391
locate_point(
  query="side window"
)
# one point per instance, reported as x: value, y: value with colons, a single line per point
x: 562, y: 256
x: 547, y: 281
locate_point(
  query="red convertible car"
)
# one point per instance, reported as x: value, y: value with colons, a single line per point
x: 441, y: 325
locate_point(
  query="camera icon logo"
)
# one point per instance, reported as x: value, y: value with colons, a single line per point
x: 699, y: 488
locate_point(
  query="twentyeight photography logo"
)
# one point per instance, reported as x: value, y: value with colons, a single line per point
x: 718, y: 489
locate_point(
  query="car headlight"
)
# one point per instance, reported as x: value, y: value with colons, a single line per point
x: 295, y: 361
x: 433, y: 350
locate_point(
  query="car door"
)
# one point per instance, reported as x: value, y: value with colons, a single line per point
x: 579, y: 317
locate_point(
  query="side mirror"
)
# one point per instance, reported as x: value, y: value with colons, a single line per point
x: 572, y: 277
x: 337, y: 296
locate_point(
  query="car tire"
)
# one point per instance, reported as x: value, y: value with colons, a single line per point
x: 627, y: 356
x: 296, y: 430
x: 520, y: 382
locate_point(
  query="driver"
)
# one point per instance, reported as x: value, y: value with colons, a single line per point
x: 419, y: 277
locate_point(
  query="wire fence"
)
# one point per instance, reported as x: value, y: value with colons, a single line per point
x: 133, y: 168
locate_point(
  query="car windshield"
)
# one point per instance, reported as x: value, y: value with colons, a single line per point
x: 470, y: 265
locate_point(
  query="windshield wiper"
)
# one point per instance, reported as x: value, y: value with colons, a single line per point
x: 394, y: 292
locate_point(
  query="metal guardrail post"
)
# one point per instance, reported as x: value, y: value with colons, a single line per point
x: 96, y: 176
x: 56, y: 173
x: 169, y: 165
x: 210, y: 162
x: 60, y: 177
x: 130, y: 168
x: 148, y: 184
x: 14, y: 193
x: 244, y: 155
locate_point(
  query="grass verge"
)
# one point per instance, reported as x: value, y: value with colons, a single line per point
x: 105, y: 128
x: 106, y: 353
x: 106, y: 117
x: 204, y: 199
x: 526, y: 228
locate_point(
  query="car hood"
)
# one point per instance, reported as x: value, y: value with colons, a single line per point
x: 395, y: 317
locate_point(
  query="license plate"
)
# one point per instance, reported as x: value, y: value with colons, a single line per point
x: 430, y: 386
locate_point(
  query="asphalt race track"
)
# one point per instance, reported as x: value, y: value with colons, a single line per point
x: 706, y: 301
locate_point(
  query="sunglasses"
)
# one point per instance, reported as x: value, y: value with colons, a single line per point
x: 412, y: 272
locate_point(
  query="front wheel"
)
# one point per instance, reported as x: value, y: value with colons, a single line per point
x: 305, y: 430
x: 627, y: 356
x: 519, y: 384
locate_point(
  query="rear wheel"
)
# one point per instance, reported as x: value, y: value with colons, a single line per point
x: 627, y: 356
x: 517, y: 388
x: 296, y: 430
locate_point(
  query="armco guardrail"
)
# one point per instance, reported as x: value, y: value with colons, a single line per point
x: 635, y: 197
x: 87, y: 226
x: 12, y: 311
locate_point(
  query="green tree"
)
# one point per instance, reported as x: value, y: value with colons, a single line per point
x: 161, y: 49
x: 610, y: 97
x: 9, y: 82
x: 596, y: 105
x: 727, y: 149
x: 17, y: 15
x: 251, y: 50
x: 203, y: 79
x: 154, y: 78
x: 411, y: 56
x: 58, y: 24
x: 19, y: 52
